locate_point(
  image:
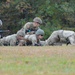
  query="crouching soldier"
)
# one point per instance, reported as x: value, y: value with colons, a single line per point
x: 12, y: 40
x: 60, y: 36
x: 32, y: 27
x: 34, y: 39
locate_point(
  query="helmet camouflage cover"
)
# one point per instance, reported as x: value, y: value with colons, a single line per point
x: 37, y: 19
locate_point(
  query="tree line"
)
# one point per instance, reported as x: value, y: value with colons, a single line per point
x: 56, y: 14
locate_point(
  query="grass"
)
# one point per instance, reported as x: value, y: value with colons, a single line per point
x: 47, y: 60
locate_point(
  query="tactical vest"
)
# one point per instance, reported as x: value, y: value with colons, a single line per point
x: 31, y: 28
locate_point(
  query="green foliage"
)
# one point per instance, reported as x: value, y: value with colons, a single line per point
x: 57, y: 14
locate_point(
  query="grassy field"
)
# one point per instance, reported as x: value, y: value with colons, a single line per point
x: 47, y: 60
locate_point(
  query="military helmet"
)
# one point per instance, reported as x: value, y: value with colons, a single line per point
x: 20, y: 33
x: 38, y: 20
x: 39, y: 32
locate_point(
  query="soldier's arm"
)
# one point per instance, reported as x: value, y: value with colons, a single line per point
x: 31, y: 30
x: 33, y: 40
x: 35, y: 43
x: 12, y: 42
x: 38, y: 44
x: 27, y: 25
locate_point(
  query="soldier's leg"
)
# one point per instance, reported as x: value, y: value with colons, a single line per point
x: 67, y: 41
x: 72, y: 40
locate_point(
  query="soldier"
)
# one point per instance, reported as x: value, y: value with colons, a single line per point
x: 60, y: 36
x: 1, y: 23
x: 32, y: 27
x: 34, y: 39
x: 12, y: 40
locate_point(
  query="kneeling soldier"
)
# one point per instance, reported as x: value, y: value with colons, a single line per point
x: 31, y: 27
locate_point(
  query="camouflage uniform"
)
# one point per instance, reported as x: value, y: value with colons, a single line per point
x: 1, y: 27
x: 0, y: 22
x: 29, y: 28
x: 43, y: 43
x: 33, y: 38
x: 11, y: 40
x: 61, y: 35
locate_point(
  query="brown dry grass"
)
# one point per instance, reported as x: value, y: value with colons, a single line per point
x: 67, y: 51
x: 30, y: 52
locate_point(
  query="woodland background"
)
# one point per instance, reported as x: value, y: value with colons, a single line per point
x: 56, y: 14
